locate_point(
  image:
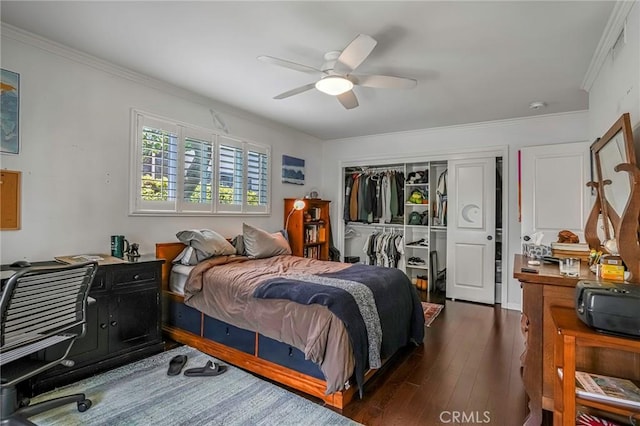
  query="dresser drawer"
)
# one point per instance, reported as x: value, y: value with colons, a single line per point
x: 229, y: 335
x: 135, y: 275
x: 99, y: 282
x: 287, y: 356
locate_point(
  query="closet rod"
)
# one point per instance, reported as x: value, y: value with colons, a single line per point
x: 365, y: 169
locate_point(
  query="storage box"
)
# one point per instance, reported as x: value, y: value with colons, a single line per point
x: 351, y: 259
x: 612, y: 272
x: 536, y: 252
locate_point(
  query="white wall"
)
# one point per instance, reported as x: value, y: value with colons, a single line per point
x: 74, y: 157
x: 405, y: 146
x: 616, y: 86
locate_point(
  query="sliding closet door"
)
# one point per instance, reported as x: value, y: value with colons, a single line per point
x: 471, y: 230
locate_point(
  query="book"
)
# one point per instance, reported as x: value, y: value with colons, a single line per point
x: 102, y: 259
x: 571, y: 247
x: 584, y: 419
x: 596, y: 387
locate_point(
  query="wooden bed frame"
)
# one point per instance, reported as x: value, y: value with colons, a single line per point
x: 277, y: 373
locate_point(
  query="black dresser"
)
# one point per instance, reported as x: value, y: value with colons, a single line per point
x: 123, y: 324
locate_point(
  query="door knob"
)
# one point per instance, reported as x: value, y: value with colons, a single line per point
x: 526, y: 238
x: 489, y: 237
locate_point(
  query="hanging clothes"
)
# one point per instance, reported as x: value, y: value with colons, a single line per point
x: 353, y: 201
x: 374, y: 197
x: 384, y: 249
x: 441, y: 199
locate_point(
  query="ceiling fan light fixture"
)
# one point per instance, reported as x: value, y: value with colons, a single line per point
x: 334, y: 85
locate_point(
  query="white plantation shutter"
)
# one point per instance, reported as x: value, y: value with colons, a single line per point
x: 157, y: 152
x: 198, y: 172
x: 180, y: 169
x: 258, y: 171
x: 230, y: 175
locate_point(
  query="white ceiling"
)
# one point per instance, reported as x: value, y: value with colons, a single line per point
x: 474, y: 61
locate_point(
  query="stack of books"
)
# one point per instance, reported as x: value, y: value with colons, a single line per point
x: 596, y: 387
x: 564, y: 250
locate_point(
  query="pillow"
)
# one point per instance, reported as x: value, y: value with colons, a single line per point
x: 190, y: 256
x: 238, y: 243
x: 207, y: 241
x: 260, y: 244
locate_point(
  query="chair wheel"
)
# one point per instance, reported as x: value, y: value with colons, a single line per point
x: 84, y: 405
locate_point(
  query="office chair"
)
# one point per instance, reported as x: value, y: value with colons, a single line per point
x: 40, y: 308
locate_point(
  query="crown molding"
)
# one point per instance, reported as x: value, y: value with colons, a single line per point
x: 611, y: 32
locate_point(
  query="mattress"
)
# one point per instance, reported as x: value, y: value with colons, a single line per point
x: 178, y: 278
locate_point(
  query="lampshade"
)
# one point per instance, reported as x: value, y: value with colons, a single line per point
x: 334, y: 85
x: 297, y: 205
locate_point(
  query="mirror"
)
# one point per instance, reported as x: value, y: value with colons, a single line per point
x: 613, y: 187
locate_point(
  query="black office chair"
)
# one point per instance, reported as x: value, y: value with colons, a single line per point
x: 40, y: 308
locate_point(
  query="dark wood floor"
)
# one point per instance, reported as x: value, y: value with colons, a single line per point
x: 469, y: 366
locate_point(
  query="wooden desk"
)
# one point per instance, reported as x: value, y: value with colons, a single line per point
x: 571, y: 334
x: 540, y: 292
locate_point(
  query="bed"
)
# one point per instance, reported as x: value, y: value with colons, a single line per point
x: 281, y: 317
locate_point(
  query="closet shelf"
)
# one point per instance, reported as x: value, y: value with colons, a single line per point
x: 413, y: 185
x: 425, y: 227
x: 425, y: 267
x: 416, y: 204
x: 376, y: 225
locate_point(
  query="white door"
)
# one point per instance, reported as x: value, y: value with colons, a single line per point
x: 471, y: 230
x: 554, y: 192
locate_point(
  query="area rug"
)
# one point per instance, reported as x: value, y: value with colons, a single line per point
x: 143, y: 394
x: 431, y: 311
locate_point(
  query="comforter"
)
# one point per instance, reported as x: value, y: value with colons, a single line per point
x: 298, y: 301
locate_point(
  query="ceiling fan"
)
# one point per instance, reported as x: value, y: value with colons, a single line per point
x: 336, y: 76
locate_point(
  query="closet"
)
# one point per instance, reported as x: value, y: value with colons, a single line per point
x: 392, y: 217
x: 397, y: 215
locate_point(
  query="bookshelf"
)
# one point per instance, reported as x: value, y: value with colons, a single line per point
x: 573, y: 333
x: 308, y: 228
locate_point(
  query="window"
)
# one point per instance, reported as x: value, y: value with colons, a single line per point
x: 181, y: 169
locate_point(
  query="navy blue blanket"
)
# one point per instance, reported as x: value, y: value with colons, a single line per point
x: 397, y: 302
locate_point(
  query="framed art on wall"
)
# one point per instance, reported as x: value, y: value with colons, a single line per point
x: 292, y: 170
x: 9, y: 112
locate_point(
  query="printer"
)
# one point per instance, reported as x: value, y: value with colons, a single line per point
x: 609, y: 307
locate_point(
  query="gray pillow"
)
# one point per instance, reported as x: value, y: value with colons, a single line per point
x: 260, y: 244
x: 207, y: 241
x: 190, y: 256
x: 238, y: 243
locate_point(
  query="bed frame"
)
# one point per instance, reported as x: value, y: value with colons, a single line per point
x: 247, y: 361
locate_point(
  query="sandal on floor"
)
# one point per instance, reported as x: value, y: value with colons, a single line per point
x: 176, y: 364
x: 211, y: 369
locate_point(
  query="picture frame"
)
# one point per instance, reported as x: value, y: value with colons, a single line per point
x: 10, y: 112
x: 292, y: 170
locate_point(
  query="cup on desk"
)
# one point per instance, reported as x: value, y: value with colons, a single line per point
x: 119, y: 245
x: 570, y: 266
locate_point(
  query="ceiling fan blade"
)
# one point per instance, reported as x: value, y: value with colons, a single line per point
x: 295, y: 91
x: 348, y: 99
x: 354, y: 54
x: 383, y: 81
x: 288, y: 64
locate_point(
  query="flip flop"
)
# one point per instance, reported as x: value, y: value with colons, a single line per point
x: 176, y: 364
x: 211, y: 369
